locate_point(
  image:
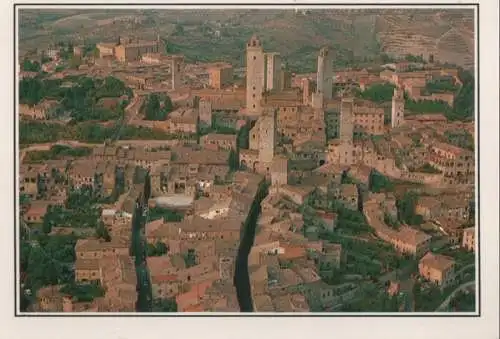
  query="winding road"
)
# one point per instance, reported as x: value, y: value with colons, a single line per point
x: 460, y: 288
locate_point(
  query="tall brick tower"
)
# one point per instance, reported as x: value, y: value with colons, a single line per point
x: 176, y: 71
x: 273, y: 66
x: 255, y: 75
x: 398, y: 108
x: 267, y: 138
x: 346, y: 125
x: 325, y: 73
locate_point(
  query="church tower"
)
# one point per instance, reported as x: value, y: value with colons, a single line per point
x: 398, y: 108
x: 255, y: 74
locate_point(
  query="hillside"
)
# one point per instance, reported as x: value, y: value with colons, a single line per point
x: 356, y: 36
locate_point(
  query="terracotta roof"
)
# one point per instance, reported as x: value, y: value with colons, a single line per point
x: 97, y: 245
x: 437, y: 261
x: 448, y: 148
x: 192, y: 297
x: 194, y: 308
x: 428, y: 201
x: 218, y: 136
x: 349, y: 190
x: 86, y: 264
x: 412, y: 236
x: 38, y: 208
x: 162, y: 278
x: 157, y: 264
x: 292, y: 252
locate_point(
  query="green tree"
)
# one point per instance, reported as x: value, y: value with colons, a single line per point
x: 166, y: 214
x: 190, y: 258
x: 152, y: 108
x: 83, y: 292
x: 463, y: 105
x: 378, y: 93
x: 377, y: 182
x: 156, y: 250
x: 147, y: 187
x: 31, y: 66
x: 75, y: 62
x: 233, y: 160
x: 243, y: 137
x: 47, y: 225
x: 390, y: 221
x: 164, y: 305
x: 168, y: 106
x: 179, y: 29
x: 406, y: 209
x: 102, y: 232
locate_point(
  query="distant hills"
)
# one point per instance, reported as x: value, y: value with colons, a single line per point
x: 355, y: 35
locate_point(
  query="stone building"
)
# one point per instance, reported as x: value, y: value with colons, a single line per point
x: 346, y: 121
x: 397, y: 108
x: 132, y: 49
x: 325, y: 74
x: 273, y: 63
x: 469, y: 239
x: 220, y: 75
x: 176, y: 71
x: 437, y: 268
x: 205, y: 111
x: 255, y: 75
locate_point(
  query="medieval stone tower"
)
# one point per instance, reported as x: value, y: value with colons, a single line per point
x: 325, y: 74
x: 273, y: 65
x: 279, y: 171
x: 398, y: 108
x: 346, y: 124
x: 267, y: 136
x: 176, y: 71
x: 255, y: 75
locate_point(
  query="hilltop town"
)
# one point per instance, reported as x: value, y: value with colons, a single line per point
x: 148, y: 183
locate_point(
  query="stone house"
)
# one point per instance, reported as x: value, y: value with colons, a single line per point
x: 436, y: 268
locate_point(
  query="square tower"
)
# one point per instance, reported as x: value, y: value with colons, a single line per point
x: 205, y: 111
x: 279, y: 171
x: 267, y: 136
x: 325, y: 73
x: 273, y: 71
x: 176, y: 71
x: 306, y: 91
x: 398, y: 108
x: 255, y: 76
x: 346, y: 126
